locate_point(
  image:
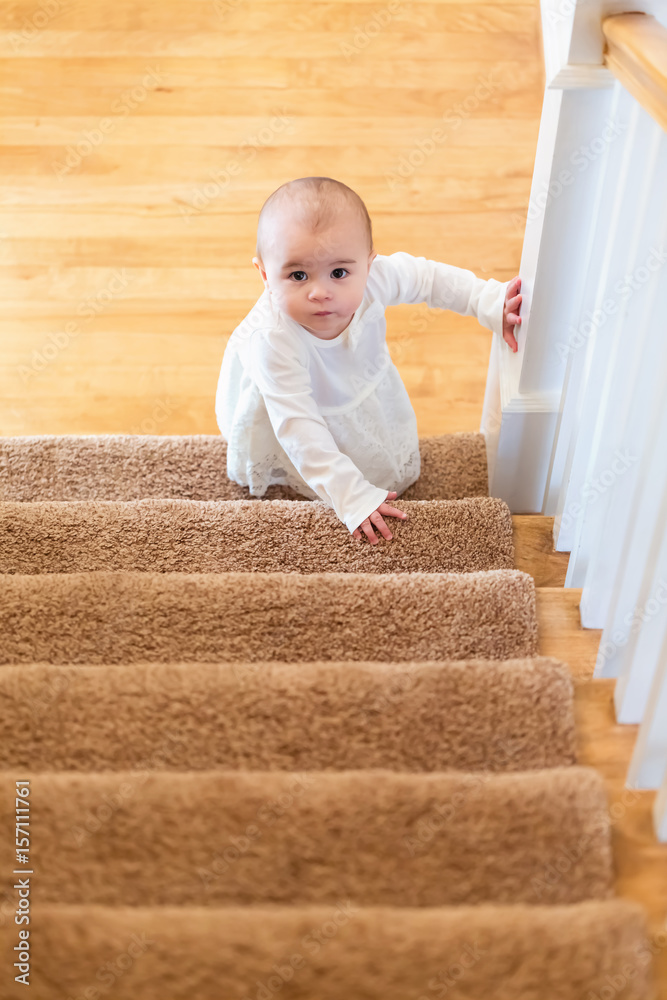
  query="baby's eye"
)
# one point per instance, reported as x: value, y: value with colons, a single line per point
x: 339, y: 269
x: 298, y: 272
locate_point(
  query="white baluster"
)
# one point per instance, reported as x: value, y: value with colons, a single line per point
x: 639, y: 659
x: 627, y: 353
x: 660, y: 812
x: 648, y: 766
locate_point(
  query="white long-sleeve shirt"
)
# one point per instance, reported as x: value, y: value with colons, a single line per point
x: 332, y: 418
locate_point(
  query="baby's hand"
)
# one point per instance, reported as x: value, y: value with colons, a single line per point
x: 511, y: 309
x: 376, y: 518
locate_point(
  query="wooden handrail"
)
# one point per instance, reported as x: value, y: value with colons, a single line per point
x: 636, y: 53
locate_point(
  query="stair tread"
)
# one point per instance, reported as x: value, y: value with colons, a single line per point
x: 195, y: 536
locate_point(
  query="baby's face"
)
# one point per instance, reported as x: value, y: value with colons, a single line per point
x: 319, y: 281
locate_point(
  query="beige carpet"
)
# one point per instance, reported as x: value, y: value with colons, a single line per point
x: 376, y: 836
x: 305, y: 767
x: 121, y: 617
x: 224, y: 536
x: 133, y: 467
x: 289, y: 716
x: 484, y: 952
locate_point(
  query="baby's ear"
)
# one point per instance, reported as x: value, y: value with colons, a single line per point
x: 258, y: 264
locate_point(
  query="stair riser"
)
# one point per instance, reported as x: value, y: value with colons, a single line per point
x: 293, y: 717
x: 150, y: 617
x: 217, y: 838
x: 194, y: 467
x: 332, y: 952
x: 184, y: 536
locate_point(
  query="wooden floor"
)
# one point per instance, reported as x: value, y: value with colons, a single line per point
x: 139, y: 142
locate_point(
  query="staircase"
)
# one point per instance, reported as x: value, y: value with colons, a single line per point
x: 267, y: 760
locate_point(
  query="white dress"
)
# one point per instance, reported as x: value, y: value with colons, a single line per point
x: 332, y: 418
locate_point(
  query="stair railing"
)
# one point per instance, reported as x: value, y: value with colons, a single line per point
x: 576, y: 421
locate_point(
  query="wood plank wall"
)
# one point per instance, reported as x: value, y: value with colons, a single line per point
x: 140, y: 139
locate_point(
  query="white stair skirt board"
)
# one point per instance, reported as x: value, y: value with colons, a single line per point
x: 648, y: 767
x: 628, y: 354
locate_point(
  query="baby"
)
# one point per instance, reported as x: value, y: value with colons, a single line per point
x: 308, y: 395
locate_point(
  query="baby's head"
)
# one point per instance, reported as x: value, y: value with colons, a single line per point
x: 314, y: 252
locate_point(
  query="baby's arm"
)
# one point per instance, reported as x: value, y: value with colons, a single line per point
x: 405, y: 278
x: 300, y: 428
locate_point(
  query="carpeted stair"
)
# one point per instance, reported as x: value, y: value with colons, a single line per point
x: 288, y: 716
x: 266, y: 759
x: 225, y: 536
x: 358, y: 834
x: 128, y: 617
x: 194, y: 467
x: 512, y: 952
